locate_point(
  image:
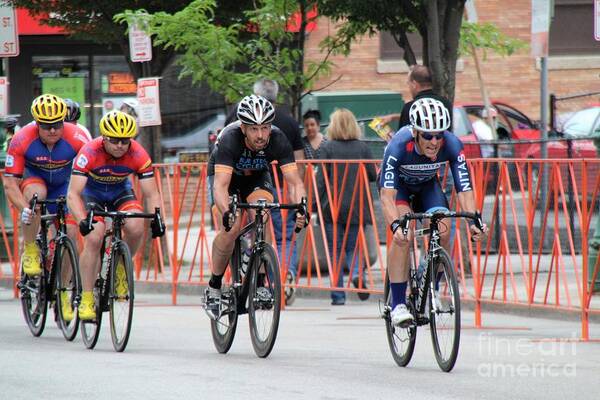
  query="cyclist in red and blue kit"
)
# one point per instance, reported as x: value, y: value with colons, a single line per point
x: 409, y: 172
x: 101, y: 175
x: 39, y: 161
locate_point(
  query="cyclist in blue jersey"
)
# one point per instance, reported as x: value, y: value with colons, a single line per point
x: 409, y: 171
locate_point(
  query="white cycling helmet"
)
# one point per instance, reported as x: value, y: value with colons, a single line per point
x: 255, y: 110
x: 429, y: 115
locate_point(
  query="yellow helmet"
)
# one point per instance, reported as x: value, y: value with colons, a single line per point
x: 48, y: 108
x: 118, y: 124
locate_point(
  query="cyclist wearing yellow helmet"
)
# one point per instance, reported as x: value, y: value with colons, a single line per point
x: 101, y: 175
x: 39, y: 161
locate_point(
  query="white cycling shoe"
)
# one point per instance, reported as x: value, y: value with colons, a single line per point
x: 400, y: 315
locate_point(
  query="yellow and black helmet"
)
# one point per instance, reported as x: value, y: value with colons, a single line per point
x: 48, y: 108
x: 118, y: 124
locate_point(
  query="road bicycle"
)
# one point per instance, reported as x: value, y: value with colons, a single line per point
x: 115, y: 255
x: 60, y: 273
x: 431, y: 301
x: 255, y: 286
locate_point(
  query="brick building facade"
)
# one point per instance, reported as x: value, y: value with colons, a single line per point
x: 514, y: 79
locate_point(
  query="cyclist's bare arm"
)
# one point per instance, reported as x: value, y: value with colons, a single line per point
x: 221, y: 189
x: 75, y: 197
x: 150, y: 193
x: 14, y: 194
x: 388, y: 204
x: 295, y: 184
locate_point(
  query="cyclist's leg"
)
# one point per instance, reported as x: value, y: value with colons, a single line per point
x: 133, y: 229
x: 398, y: 264
x: 31, y: 255
x: 432, y: 199
x: 54, y: 192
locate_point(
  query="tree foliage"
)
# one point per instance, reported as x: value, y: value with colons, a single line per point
x: 437, y: 22
x: 487, y: 37
x: 230, y: 58
x: 93, y: 21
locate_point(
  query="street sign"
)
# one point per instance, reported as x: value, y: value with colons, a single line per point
x: 597, y: 20
x: 149, y: 99
x: 140, y: 44
x: 3, y: 96
x: 540, y: 26
x: 9, y: 36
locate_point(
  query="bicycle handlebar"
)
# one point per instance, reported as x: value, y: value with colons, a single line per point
x: 95, y: 210
x: 437, y: 215
x: 261, y: 204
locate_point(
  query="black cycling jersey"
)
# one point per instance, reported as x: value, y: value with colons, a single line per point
x: 232, y: 155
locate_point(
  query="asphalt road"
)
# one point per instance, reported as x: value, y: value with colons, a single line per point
x: 322, y: 352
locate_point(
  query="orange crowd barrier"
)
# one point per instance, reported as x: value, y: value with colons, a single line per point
x: 536, y: 254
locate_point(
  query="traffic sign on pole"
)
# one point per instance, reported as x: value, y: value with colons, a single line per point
x: 9, y: 36
x: 140, y: 44
x: 148, y: 97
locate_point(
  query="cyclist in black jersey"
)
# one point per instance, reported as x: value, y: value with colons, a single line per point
x: 240, y: 165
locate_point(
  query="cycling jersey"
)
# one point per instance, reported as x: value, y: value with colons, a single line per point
x: 28, y: 157
x: 232, y: 156
x: 404, y: 166
x: 108, y: 177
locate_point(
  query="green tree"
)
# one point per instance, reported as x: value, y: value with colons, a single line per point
x: 436, y: 21
x: 230, y: 58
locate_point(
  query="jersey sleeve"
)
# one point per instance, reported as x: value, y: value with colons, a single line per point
x: 143, y: 167
x: 15, y: 158
x: 458, y: 164
x: 224, y: 157
x: 390, y: 178
x: 285, y: 154
x: 82, y: 164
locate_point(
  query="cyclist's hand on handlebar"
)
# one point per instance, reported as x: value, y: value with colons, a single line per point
x: 85, y: 227
x: 228, y: 220
x: 477, y: 234
x: 302, y: 216
x: 157, y: 226
x: 400, y: 231
x: 26, y: 215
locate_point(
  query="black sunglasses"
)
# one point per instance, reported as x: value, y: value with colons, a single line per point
x: 54, y: 125
x: 430, y: 136
x: 116, y: 141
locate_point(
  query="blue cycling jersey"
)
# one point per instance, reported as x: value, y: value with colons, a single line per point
x: 403, y: 165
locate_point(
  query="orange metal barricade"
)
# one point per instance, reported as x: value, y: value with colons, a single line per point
x: 536, y: 254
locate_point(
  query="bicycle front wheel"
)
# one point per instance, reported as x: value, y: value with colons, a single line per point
x: 223, y: 328
x: 445, y: 319
x: 264, y: 298
x: 400, y: 339
x: 90, y: 330
x: 121, y: 297
x: 68, y: 287
x: 34, y: 299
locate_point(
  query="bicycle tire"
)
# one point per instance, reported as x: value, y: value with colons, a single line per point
x: 223, y: 329
x: 90, y: 330
x: 447, y: 320
x: 34, y: 299
x: 401, y: 340
x: 65, y: 250
x: 265, y: 303
x: 121, y: 298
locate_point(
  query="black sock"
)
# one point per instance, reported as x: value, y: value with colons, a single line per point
x: 215, y: 281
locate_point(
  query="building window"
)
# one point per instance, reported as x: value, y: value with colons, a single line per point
x: 564, y: 39
x: 389, y: 49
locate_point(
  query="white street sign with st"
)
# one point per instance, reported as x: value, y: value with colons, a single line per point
x: 149, y: 99
x: 9, y: 36
x: 3, y: 96
x: 140, y: 44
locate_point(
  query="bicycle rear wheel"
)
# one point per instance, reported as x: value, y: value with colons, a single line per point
x: 34, y: 299
x: 400, y: 339
x: 121, y: 297
x: 67, y: 281
x: 90, y: 330
x: 445, y: 321
x: 264, y: 298
x: 223, y: 328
